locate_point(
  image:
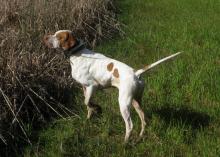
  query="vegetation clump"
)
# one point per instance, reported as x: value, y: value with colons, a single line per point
x: 35, y: 81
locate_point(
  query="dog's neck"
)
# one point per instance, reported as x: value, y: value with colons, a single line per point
x: 75, y: 49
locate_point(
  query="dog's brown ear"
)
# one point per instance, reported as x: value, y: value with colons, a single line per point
x: 66, y: 39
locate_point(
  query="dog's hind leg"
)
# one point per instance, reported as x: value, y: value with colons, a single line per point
x: 137, y: 105
x: 140, y: 112
x: 125, y: 103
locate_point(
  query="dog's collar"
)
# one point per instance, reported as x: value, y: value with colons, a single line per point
x: 76, y: 48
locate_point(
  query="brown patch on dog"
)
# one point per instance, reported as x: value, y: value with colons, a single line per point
x: 66, y: 40
x: 110, y: 66
x: 146, y: 67
x: 115, y: 73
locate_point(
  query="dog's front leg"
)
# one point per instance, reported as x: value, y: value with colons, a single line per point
x: 88, y: 91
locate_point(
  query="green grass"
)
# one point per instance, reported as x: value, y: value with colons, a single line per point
x: 182, y: 97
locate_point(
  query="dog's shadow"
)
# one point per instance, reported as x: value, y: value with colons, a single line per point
x: 183, y: 115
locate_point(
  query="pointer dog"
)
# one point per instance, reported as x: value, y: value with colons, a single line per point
x: 93, y: 70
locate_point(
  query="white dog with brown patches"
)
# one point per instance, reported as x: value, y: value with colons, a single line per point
x: 93, y: 70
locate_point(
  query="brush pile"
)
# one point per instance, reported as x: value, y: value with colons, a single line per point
x: 35, y: 81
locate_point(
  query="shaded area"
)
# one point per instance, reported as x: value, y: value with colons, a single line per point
x: 36, y: 114
x: 184, y: 115
x: 187, y: 118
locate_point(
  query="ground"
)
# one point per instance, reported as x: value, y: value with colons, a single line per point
x: 181, y: 99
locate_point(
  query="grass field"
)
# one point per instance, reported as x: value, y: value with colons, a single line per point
x: 182, y: 97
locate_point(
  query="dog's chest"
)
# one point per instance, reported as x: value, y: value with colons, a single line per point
x: 80, y: 70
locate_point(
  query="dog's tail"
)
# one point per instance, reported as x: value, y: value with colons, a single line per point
x: 148, y: 67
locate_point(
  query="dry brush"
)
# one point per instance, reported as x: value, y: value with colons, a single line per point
x: 34, y: 81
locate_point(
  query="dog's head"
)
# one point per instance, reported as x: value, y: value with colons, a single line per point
x: 63, y: 39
